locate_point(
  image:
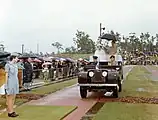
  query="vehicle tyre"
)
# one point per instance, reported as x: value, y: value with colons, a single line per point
x: 83, y: 92
x: 122, y: 77
x: 120, y: 86
x: 115, y: 92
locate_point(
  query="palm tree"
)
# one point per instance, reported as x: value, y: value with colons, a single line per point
x: 151, y: 43
x: 142, y: 41
x: 131, y: 38
x: 147, y: 36
x: 2, y: 46
x: 157, y: 41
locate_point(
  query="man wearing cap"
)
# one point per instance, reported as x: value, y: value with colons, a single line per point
x: 95, y: 60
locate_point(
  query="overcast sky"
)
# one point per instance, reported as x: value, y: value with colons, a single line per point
x: 48, y: 21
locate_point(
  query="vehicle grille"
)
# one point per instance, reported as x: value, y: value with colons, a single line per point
x: 98, y: 78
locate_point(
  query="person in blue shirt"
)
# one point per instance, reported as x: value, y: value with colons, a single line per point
x: 11, y: 85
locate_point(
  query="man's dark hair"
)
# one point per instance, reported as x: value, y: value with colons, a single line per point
x: 95, y: 57
x: 112, y: 56
x: 12, y: 57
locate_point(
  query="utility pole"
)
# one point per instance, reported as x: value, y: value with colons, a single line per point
x: 22, y: 49
x: 101, y: 28
x: 37, y: 48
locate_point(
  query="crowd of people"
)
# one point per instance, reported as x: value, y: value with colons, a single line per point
x: 47, y: 69
x: 18, y: 72
x: 140, y: 58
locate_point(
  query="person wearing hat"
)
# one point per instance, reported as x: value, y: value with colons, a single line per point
x: 28, y: 73
x: 112, y: 60
x: 95, y: 60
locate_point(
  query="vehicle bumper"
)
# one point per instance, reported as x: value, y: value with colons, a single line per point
x: 99, y: 85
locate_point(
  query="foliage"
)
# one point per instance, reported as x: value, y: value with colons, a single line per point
x: 132, y: 42
x: 71, y: 49
x: 84, y: 43
x: 74, y: 56
x: 1, y: 47
x: 143, y: 42
x: 58, y: 45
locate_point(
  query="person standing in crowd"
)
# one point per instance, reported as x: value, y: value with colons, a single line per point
x: 20, y: 73
x: 27, y: 74
x: 12, y: 84
x: 45, y: 73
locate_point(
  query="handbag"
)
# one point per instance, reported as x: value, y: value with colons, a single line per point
x: 2, y: 81
x: 2, y: 90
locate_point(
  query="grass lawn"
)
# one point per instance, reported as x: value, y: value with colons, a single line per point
x: 123, y: 111
x: 29, y: 112
x: 138, y: 83
x: 17, y: 102
x: 138, y: 78
x: 53, y: 87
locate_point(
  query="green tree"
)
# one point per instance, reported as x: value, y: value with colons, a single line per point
x: 157, y: 41
x: 68, y: 50
x: 142, y: 40
x: 41, y: 53
x: 58, y: 46
x: 152, y: 43
x: 84, y: 43
x: 1, y: 47
x: 71, y: 49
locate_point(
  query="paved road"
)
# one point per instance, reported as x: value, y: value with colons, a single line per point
x: 70, y: 96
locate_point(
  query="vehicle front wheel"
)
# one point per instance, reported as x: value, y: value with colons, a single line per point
x: 122, y: 77
x: 83, y: 92
x: 120, y: 87
x: 115, y: 92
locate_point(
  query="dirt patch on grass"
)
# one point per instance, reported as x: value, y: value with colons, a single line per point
x: 30, y: 96
x: 130, y: 99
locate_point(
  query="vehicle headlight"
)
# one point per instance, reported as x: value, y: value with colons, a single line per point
x: 104, y: 74
x: 117, y: 68
x: 91, y: 74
